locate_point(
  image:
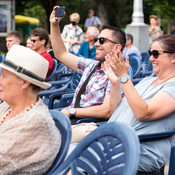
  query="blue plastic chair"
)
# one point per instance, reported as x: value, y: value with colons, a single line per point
x: 172, y: 161
x: 146, y: 66
x: 135, y: 64
x: 64, y: 125
x: 60, y: 87
x: 112, y: 149
x: 51, y: 77
x: 60, y: 101
x: 160, y: 136
x: 145, y: 56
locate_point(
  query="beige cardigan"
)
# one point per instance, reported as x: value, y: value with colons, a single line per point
x: 29, y: 142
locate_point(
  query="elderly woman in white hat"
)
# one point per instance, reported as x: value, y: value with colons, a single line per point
x: 29, y: 139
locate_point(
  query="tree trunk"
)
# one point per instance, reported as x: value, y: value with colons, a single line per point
x: 48, y: 6
x: 169, y: 27
x: 102, y: 12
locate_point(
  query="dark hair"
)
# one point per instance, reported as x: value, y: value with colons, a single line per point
x: 35, y: 88
x: 42, y: 33
x: 118, y: 34
x: 167, y: 42
x: 15, y: 34
x: 129, y: 37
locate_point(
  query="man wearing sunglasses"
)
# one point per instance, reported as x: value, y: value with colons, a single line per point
x: 39, y: 40
x: 95, y: 101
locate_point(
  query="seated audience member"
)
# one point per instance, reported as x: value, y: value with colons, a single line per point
x: 94, y: 100
x: 92, y: 21
x: 154, y: 29
x: 13, y: 37
x: 130, y: 48
x: 72, y: 34
x: 29, y: 43
x: 144, y: 107
x: 39, y: 40
x: 29, y: 138
x: 87, y: 49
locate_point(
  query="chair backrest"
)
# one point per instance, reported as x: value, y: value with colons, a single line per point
x: 51, y: 76
x: 112, y: 148
x: 162, y: 136
x: 64, y: 125
x: 134, y: 63
x: 146, y: 65
x: 130, y: 72
x: 145, y: 56
x: 64, y: 101
x: 172, y: 161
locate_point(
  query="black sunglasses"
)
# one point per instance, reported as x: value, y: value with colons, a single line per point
x: 34, y: 40
x: 155, y: 53
x: 102, y: 40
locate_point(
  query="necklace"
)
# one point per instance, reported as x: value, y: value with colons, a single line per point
x: 6, y: 114
x: 157, y: 83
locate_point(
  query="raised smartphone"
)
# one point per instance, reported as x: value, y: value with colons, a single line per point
x: 60, y: 12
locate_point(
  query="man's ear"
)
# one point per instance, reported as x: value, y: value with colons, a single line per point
x: 43, y: 41
x: 118, y: 46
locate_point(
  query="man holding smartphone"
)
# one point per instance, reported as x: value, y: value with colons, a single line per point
x: 95, y: 101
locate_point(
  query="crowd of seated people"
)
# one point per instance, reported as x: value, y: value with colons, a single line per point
x: 105, y: 91
x: 143, y: 107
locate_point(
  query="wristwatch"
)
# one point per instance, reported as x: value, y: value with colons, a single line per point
x: 72, y: 112
x: 124, y: 78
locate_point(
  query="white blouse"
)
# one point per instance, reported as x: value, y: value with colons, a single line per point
x: 29, y: 142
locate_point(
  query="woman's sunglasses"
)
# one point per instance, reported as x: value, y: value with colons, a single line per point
x: 102, y: 40
x: 155, y: 53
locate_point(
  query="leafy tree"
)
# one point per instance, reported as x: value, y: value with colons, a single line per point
x: 165, y: 10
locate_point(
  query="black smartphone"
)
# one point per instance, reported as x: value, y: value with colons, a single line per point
x: 60, y: 12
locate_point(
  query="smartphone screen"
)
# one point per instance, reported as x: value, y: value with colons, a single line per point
x: 60, y: 12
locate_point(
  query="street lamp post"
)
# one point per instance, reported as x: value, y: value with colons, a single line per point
x: 138, y: 28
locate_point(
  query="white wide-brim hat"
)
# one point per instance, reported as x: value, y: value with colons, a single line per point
x: 27, y: 64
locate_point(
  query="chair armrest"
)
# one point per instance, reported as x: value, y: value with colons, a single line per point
x: 156, y: 136
x: 88, y: 120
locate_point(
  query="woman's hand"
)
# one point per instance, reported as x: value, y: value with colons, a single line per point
x: 117, y: 63
x: 53, y: 19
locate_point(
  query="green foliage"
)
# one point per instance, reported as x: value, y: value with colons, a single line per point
x: 119, y: 12
x: 33, y: 9
x: 164, y: 9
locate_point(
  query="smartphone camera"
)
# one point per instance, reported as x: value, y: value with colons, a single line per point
x: 60, y: 12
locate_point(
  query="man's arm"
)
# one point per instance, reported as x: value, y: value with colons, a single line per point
x: 59, y: 48
x: 98, y: 111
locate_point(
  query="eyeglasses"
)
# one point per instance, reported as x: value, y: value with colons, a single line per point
x: 155, y: 53
x: 34, y: 40
x: 102, y: 40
